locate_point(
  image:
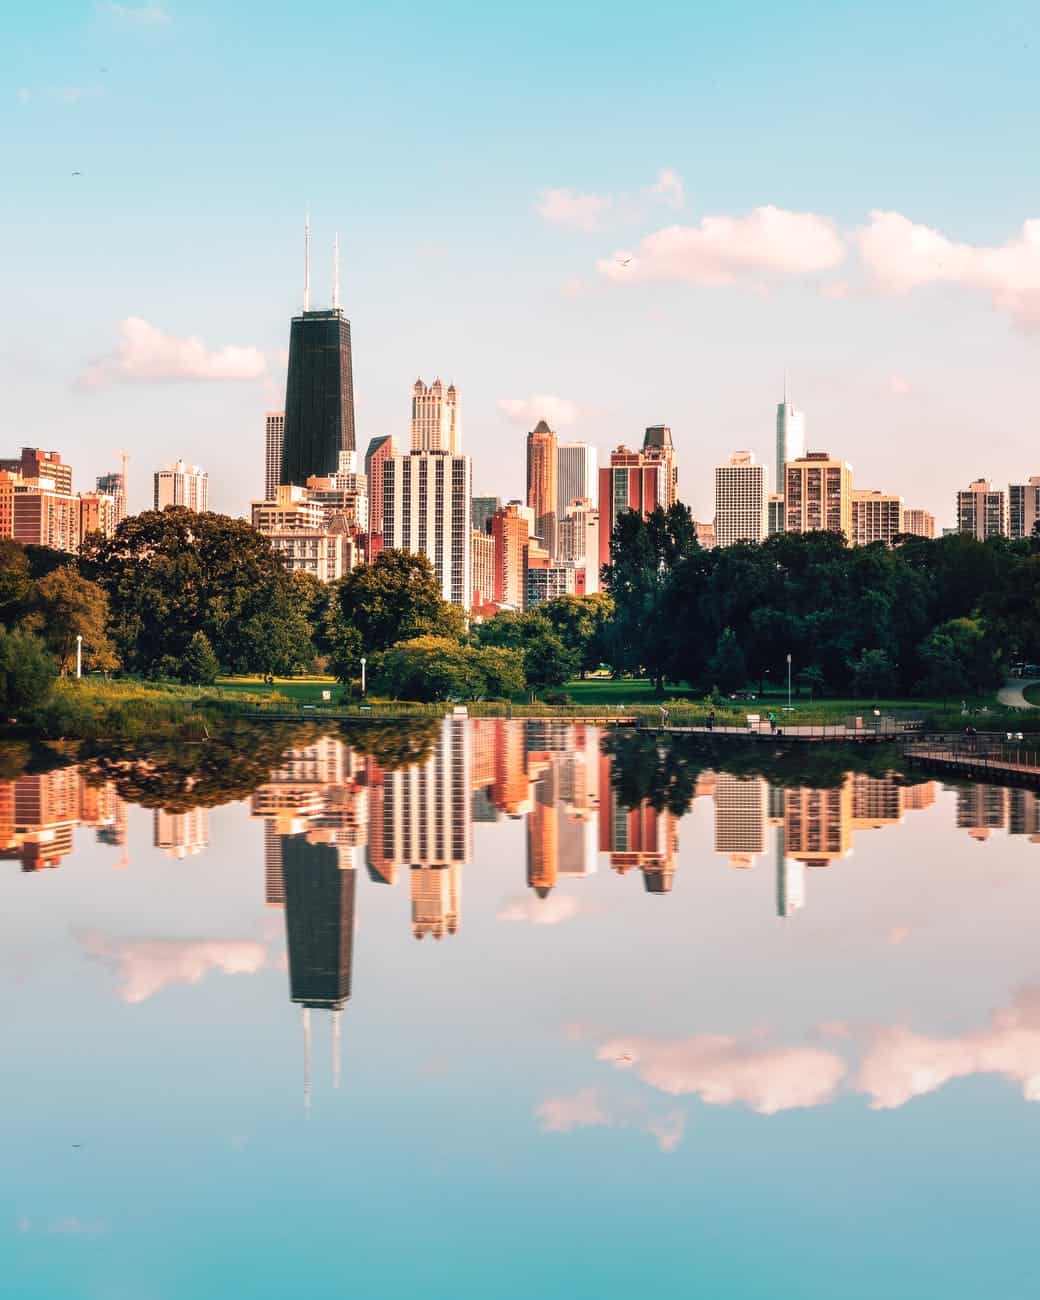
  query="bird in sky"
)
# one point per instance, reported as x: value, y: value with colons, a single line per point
x: 624, y: 1058
x: 77, y: 173
x: 624, y: 261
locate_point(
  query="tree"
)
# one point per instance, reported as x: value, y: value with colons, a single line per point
x: 726, y: 667
x: 199, y: 665
x: 14, y: 580
x: 812, y: 679
x: 580, y: 622
x: 27, y: 672
x: 428, y: 668
x: 502, y: 670
x: 343, y: 644
x: 872, y: 673
x: 66, y: 606
x: 172, y: 573
x: 396, y: 598
x: 960, y: 657
x: 547, y: 661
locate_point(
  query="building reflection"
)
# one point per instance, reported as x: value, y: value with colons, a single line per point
x: 39, y: 813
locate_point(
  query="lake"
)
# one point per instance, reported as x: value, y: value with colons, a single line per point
x: 513, y: 1009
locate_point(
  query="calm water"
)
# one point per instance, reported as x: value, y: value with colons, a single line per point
x: 473, y: 1027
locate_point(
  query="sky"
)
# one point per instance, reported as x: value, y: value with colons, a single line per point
x: 607, y: 217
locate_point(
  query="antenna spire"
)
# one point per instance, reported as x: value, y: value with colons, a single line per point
x: 307, y: 262
x: 335, y: 272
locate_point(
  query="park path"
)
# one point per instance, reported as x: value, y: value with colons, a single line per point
x: 1011, y: 694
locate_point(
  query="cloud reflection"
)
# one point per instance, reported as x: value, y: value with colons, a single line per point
x: 587, y: 1108
x: 722, y: 1070
x: 901, y: 1064
x: 146, y: 966
x: 539, y: 911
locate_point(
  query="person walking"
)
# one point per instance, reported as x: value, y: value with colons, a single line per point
x: 772, y: 722
x: 711, y: 720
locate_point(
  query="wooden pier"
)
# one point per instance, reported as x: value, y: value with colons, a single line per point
x: 986, y: 757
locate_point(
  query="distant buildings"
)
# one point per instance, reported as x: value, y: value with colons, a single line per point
x: 576, y: 475
x: 427, y: 498
x: 981, y: 511
x: 181, y: 834
x: 658, y: 449
x: 876, y: 517
x: 310, y: 535
x: 921, y: 523
x: 510, y: 530
x: 817, y: 494
x: 380, y: 450
x: 114, y: 485
x: 482, y: 568
x: 37, y: 507
x: 1023, y: 508
x: 97, y: 514
x: 181, y: 484
x: 274, y: 436
x: 483, y: 509
x: 436, y: 418
x: 740, y: 500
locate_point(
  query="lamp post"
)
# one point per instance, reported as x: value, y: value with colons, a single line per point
x: 79, y: 656
x: 363, y: 662
x: 788, y: 682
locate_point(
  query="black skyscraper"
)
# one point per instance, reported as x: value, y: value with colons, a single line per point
x: 319, y: 396
x: 319, y: 923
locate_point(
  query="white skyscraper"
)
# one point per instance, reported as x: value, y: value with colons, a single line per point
x: 790, y: 437
x: 274, y: 435
x: 427, y: 508
x: 741, y: 815
x: 740, y: 500
x: 436, y: 418
x: 181, y: 485
x: 576, y: 477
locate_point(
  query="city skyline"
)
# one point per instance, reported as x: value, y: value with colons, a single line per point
x: 187, y: 348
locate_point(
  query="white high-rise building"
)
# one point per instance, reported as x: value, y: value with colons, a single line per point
x: 274, y: 422
x: 576, y: 477
x: 741, y: 816
x: 790, y: 437
x: 427, y: 508
x: 436, y: 419
x: 182, y: 485
x: 740, y: 500
x: 982, y: 511
x: 180, y: 835
x: 1023, y: 507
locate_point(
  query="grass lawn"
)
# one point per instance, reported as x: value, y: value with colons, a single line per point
x: 303, y: 690
x: 1032, y: 693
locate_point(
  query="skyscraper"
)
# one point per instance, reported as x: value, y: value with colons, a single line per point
x: 981, y: 511
x: 576, y: 474
x: 319, y: 922
x: 1023, y: 507
x: 818, y: 494
x: 114, y: 485
x: 542, y: 483
x: 510, y: 531
x: 658, y: 448
x: 633, y: 481
x: 740, y: 500
x: 436, y: 419
x: 483, y: 509
x: 181, y: 484
x: 274, y: 425
x: 379, y: 452
x: 319, y: 385
x: 790, y: 437
x: 427, y: 499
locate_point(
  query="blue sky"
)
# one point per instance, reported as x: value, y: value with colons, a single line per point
x: 480, y: 163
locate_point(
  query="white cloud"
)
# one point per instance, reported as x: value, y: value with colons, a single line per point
x: 23, y: 94
x: 668, y: 188
x: 723, y: 250
x: 540, y: 911
x: 146, y: 966
x: 150, y: 15
x: 903, y: 255
x: 902, y: 1064
x: 722, y: 1070
x: 586, y: 1108
x: 571, y: 208
x: 556, y: 411
x: 145, y: 354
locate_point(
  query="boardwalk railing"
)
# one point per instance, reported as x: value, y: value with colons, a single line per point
x: 996, y: 753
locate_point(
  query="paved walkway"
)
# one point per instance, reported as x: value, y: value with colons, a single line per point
x: 1011, y: 694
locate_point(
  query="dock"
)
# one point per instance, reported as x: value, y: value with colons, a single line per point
x: 985, y: 757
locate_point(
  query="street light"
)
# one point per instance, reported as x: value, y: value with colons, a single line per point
x: 363, y: 662
x: 789, y: 682
x: 79, y: 656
